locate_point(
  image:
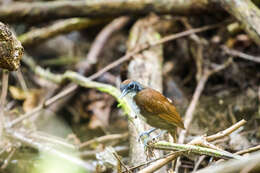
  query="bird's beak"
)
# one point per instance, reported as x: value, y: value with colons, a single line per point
x: 124, y: 93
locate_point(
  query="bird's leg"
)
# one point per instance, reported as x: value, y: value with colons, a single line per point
x: 146, y: 133
x: 144, y: 136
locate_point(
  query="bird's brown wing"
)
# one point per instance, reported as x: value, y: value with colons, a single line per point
x: 154, y: 102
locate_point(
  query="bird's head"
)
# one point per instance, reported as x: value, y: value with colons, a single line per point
x: 130, y: 87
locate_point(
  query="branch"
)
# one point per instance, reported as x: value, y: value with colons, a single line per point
x: 40, y: 11
x: 160, y: 163
x: 226, y: 132
x: 249, y: 150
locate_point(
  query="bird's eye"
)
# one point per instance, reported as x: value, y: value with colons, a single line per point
x: 131, y: 86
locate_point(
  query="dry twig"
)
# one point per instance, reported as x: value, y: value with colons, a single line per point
x: 104, y: 139
x: 99, y: 42
x: 249, y: 150
x: 239, y: 54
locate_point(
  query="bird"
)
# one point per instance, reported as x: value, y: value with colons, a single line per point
x: 152, y: 106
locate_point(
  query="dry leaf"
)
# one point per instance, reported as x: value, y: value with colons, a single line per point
x: 17, y: 93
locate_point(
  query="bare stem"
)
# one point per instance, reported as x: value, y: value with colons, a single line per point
x: 3, y: 99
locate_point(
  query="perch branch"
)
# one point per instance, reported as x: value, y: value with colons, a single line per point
x: 163, y: 145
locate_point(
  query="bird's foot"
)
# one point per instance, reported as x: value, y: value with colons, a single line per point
x: 162, y: 132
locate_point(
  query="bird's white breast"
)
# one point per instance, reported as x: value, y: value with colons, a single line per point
x: 134, y: 107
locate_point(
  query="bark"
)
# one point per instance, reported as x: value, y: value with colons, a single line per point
x: 247, y: 14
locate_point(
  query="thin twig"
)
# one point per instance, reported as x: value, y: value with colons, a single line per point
x: 239, y: 54
x: 226, y: 132
x: 249, y: 150
x: 104, y: 139
x: 99, y: 42
x: 197, y: 164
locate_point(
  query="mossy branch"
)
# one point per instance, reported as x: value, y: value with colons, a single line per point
x: 79, y: 80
